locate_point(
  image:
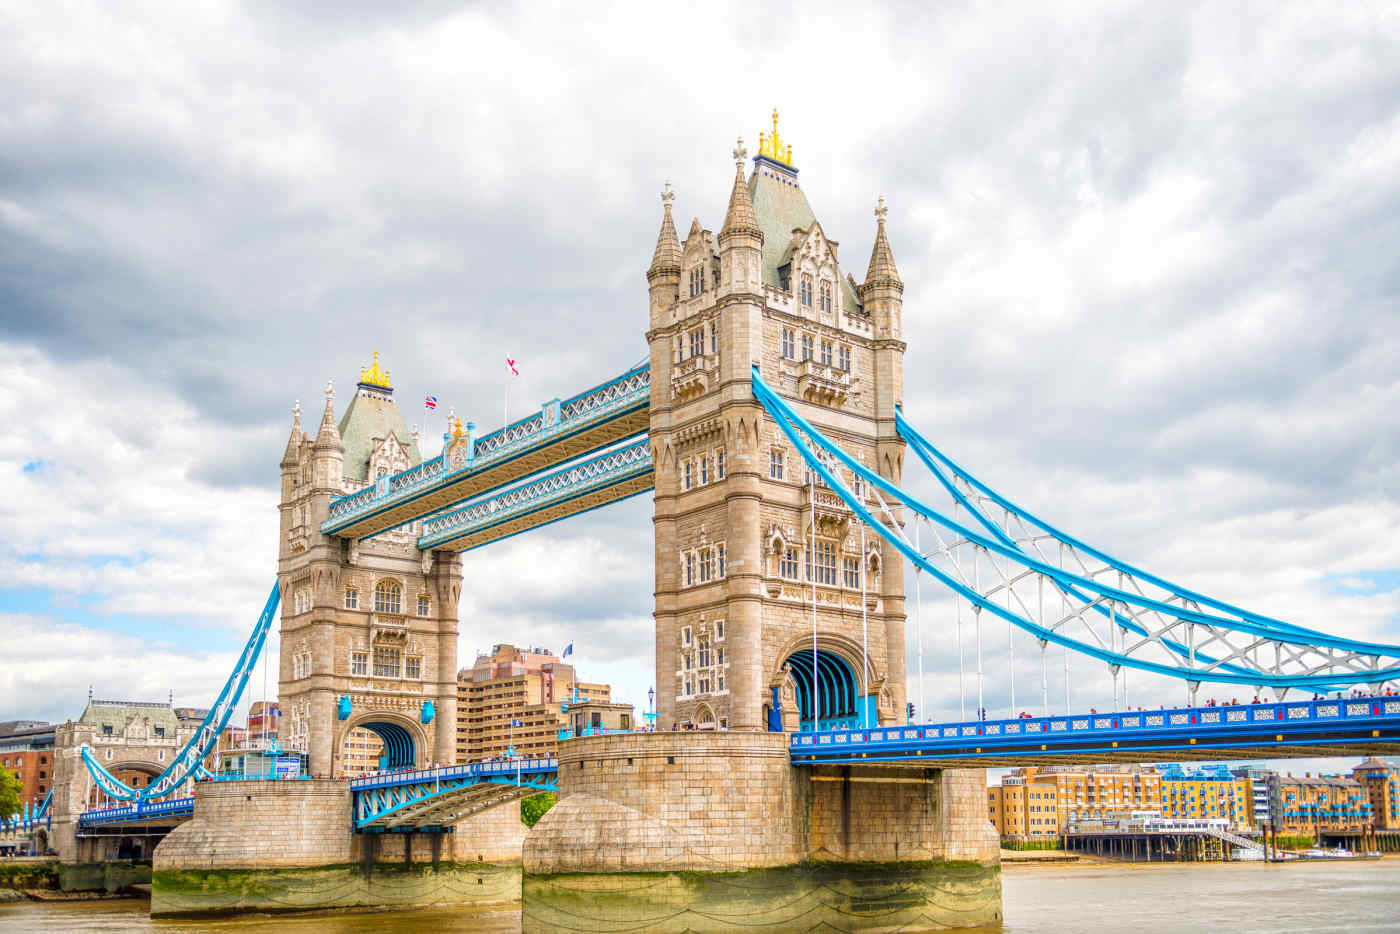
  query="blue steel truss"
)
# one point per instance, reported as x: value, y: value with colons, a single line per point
x: 429, y: 798
x: 626, y: 394
x: 189, y: 760
x: 1271, y: 730
x: 572, y: 483
x: 1189, y: 643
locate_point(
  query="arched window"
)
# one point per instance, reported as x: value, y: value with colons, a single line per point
x: 352, y: 598
x: 805, y: 290
x: 387, y: 597
x: 825, y: 296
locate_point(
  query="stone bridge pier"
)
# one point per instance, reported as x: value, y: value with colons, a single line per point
x: 718, y: 831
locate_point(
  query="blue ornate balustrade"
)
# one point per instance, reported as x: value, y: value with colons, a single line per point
x: 143, y: 812
x: 1355, y: 725
x: 569, y: 491
x: 436, y: 798
x: 560, y: 431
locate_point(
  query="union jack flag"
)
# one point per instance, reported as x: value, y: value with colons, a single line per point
x: 430, y: 402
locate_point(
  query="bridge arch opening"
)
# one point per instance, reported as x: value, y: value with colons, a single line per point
x: 403, y: 742
x: 837, y: 695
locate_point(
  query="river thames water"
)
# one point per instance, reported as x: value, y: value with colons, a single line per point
x: 1240, y: 898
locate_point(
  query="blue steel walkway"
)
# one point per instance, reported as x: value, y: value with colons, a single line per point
x: 1333, y: 727
x: 162, y: 813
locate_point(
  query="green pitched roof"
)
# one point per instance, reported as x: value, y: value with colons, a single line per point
x: 372, y: 415
x: 115, y: 714
x: 781, y: 207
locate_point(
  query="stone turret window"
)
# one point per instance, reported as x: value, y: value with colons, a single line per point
x: 789, y: 344
x: 826, y: 563
x: 704, y: 469
x: 352, y: 598
x: 775, y: 464
x: 697, y: 281
x: 808, y: 347
x: 424, y: 604
x: 851, y: 565
x: 388, y: 598
x: 824, y: 297
x: 707, y: 567
x: 719, y: 560
x: 697, y: 342
x: 687, y: 475
x: 413, y: 667
x: 805, y: 290
x: 787, y: 566
x: 689, y: 568
x: 843, y: 358
x: 719, y: 464
x: 359, y: 663
x: 826, y: 353
x: 714, y: 338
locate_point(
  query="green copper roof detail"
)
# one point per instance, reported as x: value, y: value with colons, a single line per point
x: 372, y: 415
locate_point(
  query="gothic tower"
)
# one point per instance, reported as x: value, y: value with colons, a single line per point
x: 368, y: 628
x: 736, y: 547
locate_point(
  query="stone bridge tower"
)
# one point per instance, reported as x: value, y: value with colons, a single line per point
x: 734, y: 509
x: 368, y: 628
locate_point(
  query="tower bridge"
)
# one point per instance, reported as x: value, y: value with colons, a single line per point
x: 768, y: 424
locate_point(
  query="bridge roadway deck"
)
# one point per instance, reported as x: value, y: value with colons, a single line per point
x: 1281, y: 730
x: 436, y: 798
x: 130, y: 817
x: 586, y: 423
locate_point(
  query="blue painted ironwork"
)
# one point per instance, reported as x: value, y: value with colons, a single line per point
x: 185, y: 763
x: 1369, y: 721
x: 27, y: 820
x: 138, y: 813
x: 625, y: 394
x: 561, y: 486
x: 837, y: 694
x: 343, y: 707
x: 1313, y: 653
x: 417, y: 798
x: 398, y: 744
x: 428, y: 712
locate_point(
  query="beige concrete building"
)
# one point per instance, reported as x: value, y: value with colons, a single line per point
x: 369, y: 627
x: 736, y: 550
x: 528, y: 687
x: 1039, y: 802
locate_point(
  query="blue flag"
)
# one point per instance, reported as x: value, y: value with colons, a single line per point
x: 568, y: 650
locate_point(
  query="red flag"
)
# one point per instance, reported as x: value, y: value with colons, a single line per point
x: 511, y: 363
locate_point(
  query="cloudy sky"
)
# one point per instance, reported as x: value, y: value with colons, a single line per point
x: 1152, y: 285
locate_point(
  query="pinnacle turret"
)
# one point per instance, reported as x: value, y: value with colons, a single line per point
x: 294, y: 441
x: 667, y: 257
x: 328, y: 436
x: 882, y: 271
x: 740, y: 218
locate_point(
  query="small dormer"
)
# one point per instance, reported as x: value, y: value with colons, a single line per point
x: 811, y: 273
x: 699, y: 262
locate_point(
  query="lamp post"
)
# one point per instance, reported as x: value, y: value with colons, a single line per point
x: 651, y: 708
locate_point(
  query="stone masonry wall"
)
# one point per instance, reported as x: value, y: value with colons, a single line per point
x: 878, y: 814
x: 259, y: 824
x: 648, y: 802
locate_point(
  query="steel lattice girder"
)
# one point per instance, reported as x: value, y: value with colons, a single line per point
x: 1322, y: 667
x: 595, y: 419
x: 436, y: 804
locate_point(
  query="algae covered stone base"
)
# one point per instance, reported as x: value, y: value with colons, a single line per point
x: 855, y: 897
x: 219, y: 891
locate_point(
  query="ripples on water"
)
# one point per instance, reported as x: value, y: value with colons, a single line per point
x: 1248, y: 898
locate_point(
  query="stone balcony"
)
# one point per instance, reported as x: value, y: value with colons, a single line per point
x: 694, y: 376
x: 822, y: 383
x: 387, y: 628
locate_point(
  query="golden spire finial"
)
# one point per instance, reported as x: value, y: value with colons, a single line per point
x: 372, y: 375
x: 772, y: 145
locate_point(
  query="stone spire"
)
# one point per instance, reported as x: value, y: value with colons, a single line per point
x: 294, y: 441
x: 328, y: 436
x: 667, y: 257
x: 882, y: 271
x: 740, y: 219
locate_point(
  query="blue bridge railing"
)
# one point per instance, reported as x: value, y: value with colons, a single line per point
x: 1289, y: 722
x: 138, y: 813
